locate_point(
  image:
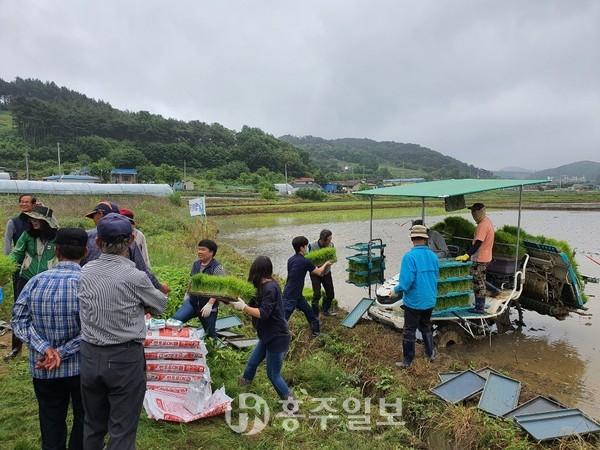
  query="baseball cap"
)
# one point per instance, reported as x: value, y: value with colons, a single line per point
x: 105, y: 206
x: 114, y: 228
x: 129, y: 214
x: 71, y: 236
x: 476, y: 206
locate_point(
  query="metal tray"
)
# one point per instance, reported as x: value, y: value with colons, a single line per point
x: 351, y: 319
x: 500, y: 394
x: 242, y: 343
x: 460, y: 387
x: 556, y: 424
x: 535, y: 405
x: 228, y: 322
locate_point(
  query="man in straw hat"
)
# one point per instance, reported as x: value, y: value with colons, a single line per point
x: 418, y: 285
x: 481, y: 255
x: 34, y: 251
x: 46, y: 318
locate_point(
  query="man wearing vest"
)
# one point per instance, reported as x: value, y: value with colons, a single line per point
x: 15, y: 227
x: 206, y: 309
x: 325, y: 279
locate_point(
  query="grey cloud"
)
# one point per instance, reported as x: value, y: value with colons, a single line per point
x: 514, y: 79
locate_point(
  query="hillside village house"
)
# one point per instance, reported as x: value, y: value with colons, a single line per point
x: 123, y: 176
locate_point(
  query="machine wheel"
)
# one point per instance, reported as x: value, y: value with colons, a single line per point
x: 503, y: 323
x: 448, y: 335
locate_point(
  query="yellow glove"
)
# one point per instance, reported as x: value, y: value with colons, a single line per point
x: 464, y: 257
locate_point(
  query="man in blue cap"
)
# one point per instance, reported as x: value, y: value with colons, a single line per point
x: 114, y: 298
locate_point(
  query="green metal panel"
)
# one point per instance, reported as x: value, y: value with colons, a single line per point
x: 448, y: 188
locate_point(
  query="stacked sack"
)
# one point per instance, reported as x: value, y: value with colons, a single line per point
x: 178, y: 378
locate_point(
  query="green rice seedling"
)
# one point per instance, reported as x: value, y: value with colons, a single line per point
x: 359, y: 278
x: 456, y: 230
x: 453, y: 286
x: 222, y: 288
x: 320, y: 257
x: 457, y: 301
x: 454, y: 270
x: 359, y: 263
x: 7, y: 268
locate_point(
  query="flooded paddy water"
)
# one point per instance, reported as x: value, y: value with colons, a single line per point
x: 557, y: 358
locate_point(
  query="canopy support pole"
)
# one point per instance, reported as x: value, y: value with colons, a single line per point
x: 371, y: 222
x: 519, y: 228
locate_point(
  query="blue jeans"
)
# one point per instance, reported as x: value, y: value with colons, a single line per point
x: 290, y: 304
x: 189, y: 310
x: 274, y: 365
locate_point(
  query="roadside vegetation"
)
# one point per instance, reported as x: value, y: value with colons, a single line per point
x: 344, y: 363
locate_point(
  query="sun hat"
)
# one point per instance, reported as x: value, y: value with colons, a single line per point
x: 114, y: 228
x: 105, y: 206
x: 41, y: 213
x: 418, y: 231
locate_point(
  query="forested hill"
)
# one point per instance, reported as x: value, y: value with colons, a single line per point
x: 371, y: 154
x: 35, y: 116
x: 91, y: 133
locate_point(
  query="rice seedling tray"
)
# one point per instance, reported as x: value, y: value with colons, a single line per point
x: 225, y: 289
x: 321, y: 256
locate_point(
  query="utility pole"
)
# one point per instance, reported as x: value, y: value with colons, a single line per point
x: 59, y: 172
x: 184, y: 170
x: 26, y: 166
x: 286, y: 183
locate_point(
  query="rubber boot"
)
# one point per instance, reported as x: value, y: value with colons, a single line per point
x: 430, y: 350
x: 479, y: 306
x: 315, y: 328
x: 408, y: 353
x: 16, y: 347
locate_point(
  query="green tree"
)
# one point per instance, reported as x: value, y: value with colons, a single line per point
x: 127, y: 158
x: 102, y: 169
x: 168, y: 174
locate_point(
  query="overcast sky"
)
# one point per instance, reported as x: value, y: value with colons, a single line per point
x: 491, y: 83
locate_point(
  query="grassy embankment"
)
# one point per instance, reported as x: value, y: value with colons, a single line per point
x: 343, y: 364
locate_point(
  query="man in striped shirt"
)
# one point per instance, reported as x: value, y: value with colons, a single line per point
x: 46, y: 318
x: 114, y: 298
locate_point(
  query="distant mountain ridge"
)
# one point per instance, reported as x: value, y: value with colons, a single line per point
x: 588, y: 169
x: 371, y: 154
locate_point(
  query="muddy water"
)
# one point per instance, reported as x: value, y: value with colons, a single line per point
x: 556, y: 358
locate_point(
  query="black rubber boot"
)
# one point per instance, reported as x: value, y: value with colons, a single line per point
x: 430, y: 350
x: 479, y: 306
x: 408, y: 353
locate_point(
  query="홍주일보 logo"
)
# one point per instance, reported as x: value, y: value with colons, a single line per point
x: 254, y: 415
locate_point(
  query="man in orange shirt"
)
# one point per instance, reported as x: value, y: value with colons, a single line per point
x: 480, y: 253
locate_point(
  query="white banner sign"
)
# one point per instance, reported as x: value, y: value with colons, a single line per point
x: 198, y: 206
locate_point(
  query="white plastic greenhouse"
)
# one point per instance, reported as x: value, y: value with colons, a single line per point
x: 46, y: 187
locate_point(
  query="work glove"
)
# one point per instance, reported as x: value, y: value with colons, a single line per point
x: 206, y: 310
x: 239, y: 304
x: 464, y: 257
